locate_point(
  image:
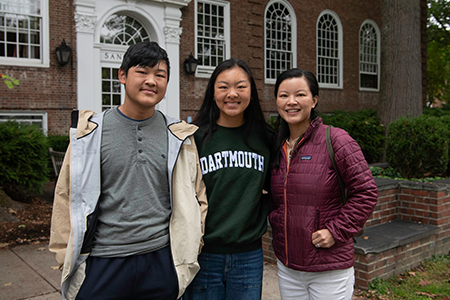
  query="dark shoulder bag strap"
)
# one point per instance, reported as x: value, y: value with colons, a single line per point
x: 331, y: 153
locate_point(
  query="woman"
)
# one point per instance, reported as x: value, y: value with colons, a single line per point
x: 312, y: 229
x: 234, y: 145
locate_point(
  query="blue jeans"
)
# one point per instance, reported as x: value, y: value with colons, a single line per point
x: 228, y: 277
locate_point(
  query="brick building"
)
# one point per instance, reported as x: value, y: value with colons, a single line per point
x: 338, y: 40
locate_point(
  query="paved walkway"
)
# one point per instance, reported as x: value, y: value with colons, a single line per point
x: 30, y: 272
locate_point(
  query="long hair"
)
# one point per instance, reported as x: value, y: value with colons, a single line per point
x: 254, y: 121
x: 281, y: 126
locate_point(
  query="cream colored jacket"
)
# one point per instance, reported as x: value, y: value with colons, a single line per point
x: 78, y: 189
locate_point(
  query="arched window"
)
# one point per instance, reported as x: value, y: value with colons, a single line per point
x: 369, y: 56
x: 122, y: 30
x: 329, y: 50
x: 280, y: 39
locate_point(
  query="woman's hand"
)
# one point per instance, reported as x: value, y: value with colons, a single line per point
x: 322, y: 239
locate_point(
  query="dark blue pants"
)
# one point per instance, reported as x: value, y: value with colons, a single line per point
x: 147, y: 276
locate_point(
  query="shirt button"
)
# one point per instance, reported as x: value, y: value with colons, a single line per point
x: 139, y: 128
x: 140, y: 151
x: 140, y: 139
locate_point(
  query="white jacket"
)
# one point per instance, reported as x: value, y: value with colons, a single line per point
x: 78, y: 190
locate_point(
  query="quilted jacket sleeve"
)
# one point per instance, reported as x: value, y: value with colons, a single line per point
x: 361, y: 187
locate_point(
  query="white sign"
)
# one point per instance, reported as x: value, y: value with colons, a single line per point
x: 110, y: 56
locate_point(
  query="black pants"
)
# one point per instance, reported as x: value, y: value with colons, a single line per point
x: 147, y: 276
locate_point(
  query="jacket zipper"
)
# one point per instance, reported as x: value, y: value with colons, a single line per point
x: 288, y: 164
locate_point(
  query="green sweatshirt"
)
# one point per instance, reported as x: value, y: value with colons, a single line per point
x: 234, y: 175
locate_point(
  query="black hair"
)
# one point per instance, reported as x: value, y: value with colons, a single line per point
x: 254, y: 121
x: 144, y: 54
x: 281, y: 126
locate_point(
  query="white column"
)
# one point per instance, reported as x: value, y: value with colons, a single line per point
x: 85, y: 25
x: 172, y: 32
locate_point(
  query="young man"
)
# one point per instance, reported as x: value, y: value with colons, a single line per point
x: 130, y: 203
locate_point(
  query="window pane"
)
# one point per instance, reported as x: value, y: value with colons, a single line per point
x: 106, y: 73
x: 106, y: 87
x: 116, y: 100
x: 211, y: 33
x: 21, y: 22
x: 278, y: 32
x: 116, y: 87
x: 106, y: 99
x: 122, y: 30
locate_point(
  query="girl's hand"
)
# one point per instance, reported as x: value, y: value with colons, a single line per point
x: 322, y: 239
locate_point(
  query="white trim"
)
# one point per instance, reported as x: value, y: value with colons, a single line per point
x: 293, y: 36
x: 340, y: 84
x: 44, y: 62
x: 378, y: 33
x: 19, y: 113
x: 206, y: 71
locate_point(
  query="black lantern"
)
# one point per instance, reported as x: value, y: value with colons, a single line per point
x: 190, y: 64
x: 63, y: 53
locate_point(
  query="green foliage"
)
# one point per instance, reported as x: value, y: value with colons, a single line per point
x: 58, y: 142
x: 445, y: 119
x: 437, y: 111
x: 438, y: 50
x: 9, y: 81
x: 23, y: 156
x: 392, y: 174
x: 389, y: 172
x: 378, y: 285
x: 409, y: 143
x: 364, y: 126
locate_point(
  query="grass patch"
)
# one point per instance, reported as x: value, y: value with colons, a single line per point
x: 431, y: 280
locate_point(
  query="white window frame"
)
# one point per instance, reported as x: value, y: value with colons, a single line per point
x: 206, y: 71
x: 378, y: 55
x: 25, y: 117
x: 293, y: 51
x: 44, y: 61
x: 340, y: 56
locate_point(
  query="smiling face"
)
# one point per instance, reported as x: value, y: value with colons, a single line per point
x: 294, y: 104
x: 144, y: 88
x: 232, y: 93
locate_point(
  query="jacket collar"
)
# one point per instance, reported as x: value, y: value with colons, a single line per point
x: 180, y: 129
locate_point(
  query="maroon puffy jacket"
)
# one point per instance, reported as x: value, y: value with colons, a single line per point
x: 306, y: 197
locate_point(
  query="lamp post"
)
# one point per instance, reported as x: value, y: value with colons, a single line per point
x: 63, y: 53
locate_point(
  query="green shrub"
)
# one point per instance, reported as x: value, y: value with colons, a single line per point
x: 58, y: 142
x: 364, y: 126
x: 437, y: 111
x: 418, y: 146
x: 23, y: 157
x: 446, y: 121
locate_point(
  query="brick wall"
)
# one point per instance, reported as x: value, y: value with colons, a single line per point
x: 393, y: 261
x: 50, y: 89
x: 247, y: 43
